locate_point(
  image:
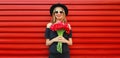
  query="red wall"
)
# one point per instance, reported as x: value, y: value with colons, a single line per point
x: 95, y: 25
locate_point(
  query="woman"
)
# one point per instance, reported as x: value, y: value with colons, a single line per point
x: 58, y: 13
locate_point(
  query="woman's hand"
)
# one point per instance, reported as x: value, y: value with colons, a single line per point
x: 49, y: 42
x: 59, y: 39
x: 63, y: 40
x: 56, y: 39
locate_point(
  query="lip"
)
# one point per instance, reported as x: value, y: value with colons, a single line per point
x: 58, y: 15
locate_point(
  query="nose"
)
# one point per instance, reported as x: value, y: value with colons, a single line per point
x: 59, y: 13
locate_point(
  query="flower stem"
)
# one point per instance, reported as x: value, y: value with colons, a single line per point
x: 59, y: 45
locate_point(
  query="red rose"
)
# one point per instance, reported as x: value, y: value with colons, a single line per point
x: 59, y: 26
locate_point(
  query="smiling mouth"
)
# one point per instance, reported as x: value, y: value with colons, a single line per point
x: 58, y: 15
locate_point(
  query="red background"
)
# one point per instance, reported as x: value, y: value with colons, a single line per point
x: 95, y: 25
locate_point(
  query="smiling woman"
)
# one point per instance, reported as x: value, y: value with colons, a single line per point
x: 58, y: 40
x: 95, y: 28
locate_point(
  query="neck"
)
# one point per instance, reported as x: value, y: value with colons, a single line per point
x: 58, y: 20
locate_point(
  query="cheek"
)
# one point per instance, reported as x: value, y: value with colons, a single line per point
x: 55, y: 15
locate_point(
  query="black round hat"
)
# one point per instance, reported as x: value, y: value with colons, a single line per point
x: 58, y: 5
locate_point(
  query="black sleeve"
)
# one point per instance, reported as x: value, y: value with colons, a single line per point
x: 47, y: 33
x: 70, y: 35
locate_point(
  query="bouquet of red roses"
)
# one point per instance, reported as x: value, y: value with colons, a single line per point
x: 60, y: 28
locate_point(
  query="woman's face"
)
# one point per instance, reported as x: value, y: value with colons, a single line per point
x: 58, y: 13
